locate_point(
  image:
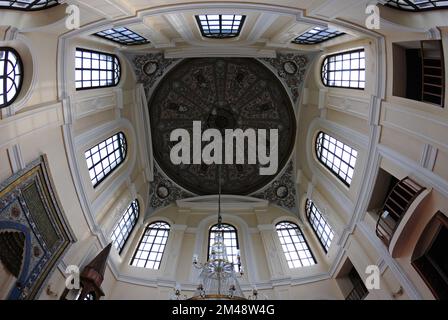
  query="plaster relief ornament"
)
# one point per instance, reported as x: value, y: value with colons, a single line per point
x: 228, y: 112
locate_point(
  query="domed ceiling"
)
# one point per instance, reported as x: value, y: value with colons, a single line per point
x: 222, y: 93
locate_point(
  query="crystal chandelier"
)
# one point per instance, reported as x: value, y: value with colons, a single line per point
x: 218, y: 279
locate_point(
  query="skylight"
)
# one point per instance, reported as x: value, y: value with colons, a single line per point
x: 317, y: 35
x: 123, y: 36
x: 28, y: 5
x: 418, y: 5
x: 220, y: 26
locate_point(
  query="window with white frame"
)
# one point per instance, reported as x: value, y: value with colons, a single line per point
x: 294, y: 245
x: 220, y: 25
x: 95, y: 69
x: 230, y: 236
x: 319, y: 224
x: 338, y: 157
x: 105, y: 157
x: 125, y: 225
x: 150, y: 250
x: 11, y: 76
x: 345, y: 70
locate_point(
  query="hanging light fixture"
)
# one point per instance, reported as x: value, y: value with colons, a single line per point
x: 218, y: 279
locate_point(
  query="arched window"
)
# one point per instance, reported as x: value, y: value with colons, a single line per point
x: 338, y: 157
x: 95, y: 69
x: 28, y: 5
x: 230, y: 236
x: 105, y: 157
x: 152, y: 245
x: 319, y: 224
x: 294, y: 245
x: 420, y: 5
x: 11, y: 76
x: 345, y: 70
x: 125, y: 225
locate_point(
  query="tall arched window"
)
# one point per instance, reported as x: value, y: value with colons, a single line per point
x: 320, y: 225
x: 11, y: 76
x: 28, y: 5
x: 152, y: 246
x: 294, y: 245
x: 105, y: 157
x: 345, y: 70
x: 338, y: 157
x: 125, y: 225
x: 95, y: 69
x: 230, y: 236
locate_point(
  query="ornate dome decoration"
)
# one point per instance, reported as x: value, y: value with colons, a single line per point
x: 222, y: 93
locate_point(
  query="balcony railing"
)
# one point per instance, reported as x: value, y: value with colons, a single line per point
x: 397, y: 204
x: 359, y: 292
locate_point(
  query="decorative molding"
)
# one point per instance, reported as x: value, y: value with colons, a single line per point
x: 109, y: 9
x: 11, y: 34
x: 357, y: 107
x: 417, y: 124
x: 143, y: 132
x: 434, y: 34
x: 18, y: 126
x: 228, y: 203
x: 262, y: 24
x: 15, y: 158
x: 382, y: 265
x: 87, y: 106
x: 322, y: 98
x: 331, y: 9
x: 219, y: 52
x: 429, y: 156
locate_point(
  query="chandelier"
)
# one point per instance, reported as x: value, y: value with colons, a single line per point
x: 218, y: 279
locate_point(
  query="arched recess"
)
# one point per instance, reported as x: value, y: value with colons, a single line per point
x: 100, y: 195
x: 322, y: 176
x: 245, y: 244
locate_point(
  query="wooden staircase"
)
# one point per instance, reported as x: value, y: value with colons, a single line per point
x: 396, y: 205
x: 433, y: 77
